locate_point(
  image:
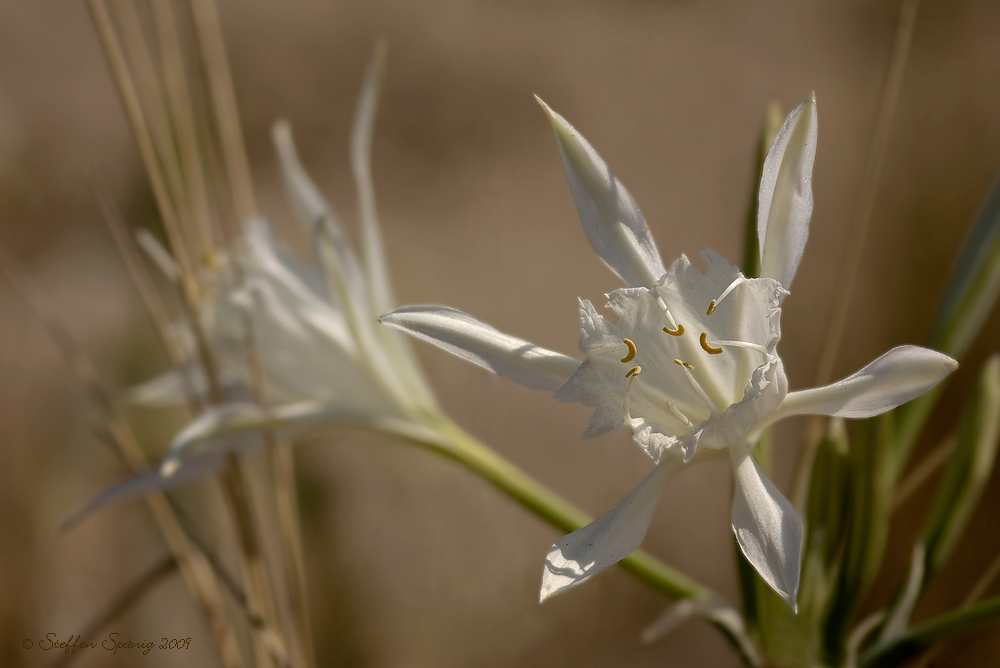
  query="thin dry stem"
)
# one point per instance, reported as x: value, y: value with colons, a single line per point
x: 182, y: 114
x: 870, y: 184
x: 121, y: 603
x: 859, y: 234
x: 126, y: 88
x: 137, y: 271
x: 194, y: 567
x: 923, y: 471
x: 149, y: 88
x: 213, y: 51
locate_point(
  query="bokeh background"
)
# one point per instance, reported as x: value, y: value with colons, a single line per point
x: 411, y: 561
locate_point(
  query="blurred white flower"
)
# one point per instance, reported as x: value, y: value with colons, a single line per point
x: 323, y: 355
x: 691, y: 364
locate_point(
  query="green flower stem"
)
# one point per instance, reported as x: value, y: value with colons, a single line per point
x: 458, y: 445
x: 450, y: 440
x: 910, y: 644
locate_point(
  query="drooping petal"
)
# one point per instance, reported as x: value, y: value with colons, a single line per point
x: 191, y: 469
x: 202, y: 428
x: 767, y: 529
x: 462, y: 335
x: 605, y: 542
x: 611, y: 218
x: 238, y: 426
x: 901, y: 374
x: 785, y: 197
x: 380, y: 295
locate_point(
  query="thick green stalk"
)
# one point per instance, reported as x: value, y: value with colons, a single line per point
x: 549, y: 506
x: 453, y: 442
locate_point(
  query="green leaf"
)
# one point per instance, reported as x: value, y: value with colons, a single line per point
x: 968, y: 471
x: 974, y: 284
x: 751, y: 253
x: 870, y: 488
x: 920, y: 638
x: 972, y: 292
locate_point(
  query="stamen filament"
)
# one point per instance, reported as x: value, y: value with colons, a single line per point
x: 666, y: 311
x: 677, y: 413
x: 707, y: 348
x: 725, y: 293
x: 631, y: 351
x: 631, y: 375
x: 687, y: 368
x: 744, y: 344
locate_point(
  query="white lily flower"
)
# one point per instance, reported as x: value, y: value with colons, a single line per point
x: 691, y: 364
x: 324, y: 356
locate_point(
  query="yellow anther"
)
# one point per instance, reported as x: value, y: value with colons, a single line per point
x: 711, y: 308
x: 675, y: 332
x: 684, y: 364
x: 707, y: 348
x: 634, y: 371
x: 631, y: 351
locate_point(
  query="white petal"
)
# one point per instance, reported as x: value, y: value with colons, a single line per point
x: 361, y: 146
x: 785, y: 197
x: 901, y: 374
x: 202, y: 428
x: 191, y: 469
x: 610, y: 216
x: 476, y: 342
x: 605, y: 542
x: 321, y: 223
x: 172, y: 388
x: 160, y: 256
x: 237, y: 427
x: 767, y: 529
x: 380, y: 295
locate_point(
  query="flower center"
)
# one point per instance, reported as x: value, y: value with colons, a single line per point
x: 713, y: 384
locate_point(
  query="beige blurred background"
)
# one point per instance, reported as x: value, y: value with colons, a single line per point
x: 411, y: 561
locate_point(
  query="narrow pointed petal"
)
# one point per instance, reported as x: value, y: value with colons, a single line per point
x: 376, y: 267
x: 785, y: 197
x: 190, y: 470
x: 321, y: 223
x: 605, y: 542
x: 474, y: 341
x: 611, y: 218
x: 901, y: 374
x: 767, y: 529
x: 237, y: 426
x: 380, y: 295
x: 171, y: 388
x: 202, y: 428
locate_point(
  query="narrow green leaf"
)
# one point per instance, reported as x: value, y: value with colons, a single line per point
x: 968, y: 471
x: 870, y: 487
x: 751, y: 252
x: 826, y: 508
x: 911, y: 644
x: 973, y: 288
x: 974, y: 284
x: 749, y: 582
